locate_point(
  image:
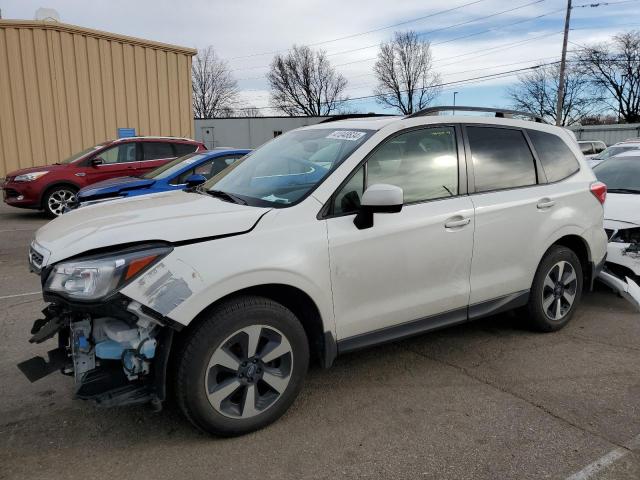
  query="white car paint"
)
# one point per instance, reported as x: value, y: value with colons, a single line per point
x: 408, y: 266
x: 622, y: 211
x: 170, y: 216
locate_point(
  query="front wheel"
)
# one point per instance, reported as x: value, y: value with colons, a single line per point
x: 242, y: 367
x: 57, y: 200
x: 556, y: 291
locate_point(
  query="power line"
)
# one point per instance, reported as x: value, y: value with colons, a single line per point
x: 491, y: 76
x: 495, y: 14
x: 421, y: 34
x: 487, y: 51
x: 324, y: 42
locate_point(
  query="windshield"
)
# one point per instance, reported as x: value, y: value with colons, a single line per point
x: 286, y: 169
x: 76, y: 156
x: 621, y: 175
x: 614, y: 150
x: 169, y: 169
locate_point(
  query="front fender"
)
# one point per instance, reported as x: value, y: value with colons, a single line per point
x: 195, y: 276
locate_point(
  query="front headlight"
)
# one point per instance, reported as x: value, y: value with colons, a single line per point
x: 29, y: 177
x: 95, y: 277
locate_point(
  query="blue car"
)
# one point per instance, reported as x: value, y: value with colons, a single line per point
x: 178, y: 174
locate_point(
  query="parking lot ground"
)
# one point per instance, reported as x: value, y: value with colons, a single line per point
x: 488, y: 399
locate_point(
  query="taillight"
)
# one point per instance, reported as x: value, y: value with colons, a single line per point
x: 599, y: 191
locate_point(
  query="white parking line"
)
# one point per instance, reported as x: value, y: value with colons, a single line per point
x: 606, y: 460
x: 600, y: 464
x: 20, y: 295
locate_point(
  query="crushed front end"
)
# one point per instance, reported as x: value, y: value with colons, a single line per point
x: 622, y: 269
x: 115, y: 349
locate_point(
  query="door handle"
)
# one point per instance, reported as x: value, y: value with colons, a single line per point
x: 545, y: 203
x: 456, y: 222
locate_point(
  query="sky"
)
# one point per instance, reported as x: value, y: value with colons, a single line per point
x: 469, y: 38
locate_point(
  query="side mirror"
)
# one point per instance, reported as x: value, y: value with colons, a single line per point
x: 378, y: 198
x: 96, y: 161
x: 195, y: 180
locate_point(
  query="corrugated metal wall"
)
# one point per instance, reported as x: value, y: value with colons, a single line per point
x: 64, y: 88
x: 250, y: 132
x: 608, y: 134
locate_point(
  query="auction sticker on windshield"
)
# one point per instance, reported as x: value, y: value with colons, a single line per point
x: 351, y: 135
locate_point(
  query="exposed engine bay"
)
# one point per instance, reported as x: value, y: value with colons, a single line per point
x: 116, y: 353
x: 622, y: 269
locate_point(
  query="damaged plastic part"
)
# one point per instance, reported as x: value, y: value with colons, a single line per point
x: 627, y: 288
x: 626, y: 235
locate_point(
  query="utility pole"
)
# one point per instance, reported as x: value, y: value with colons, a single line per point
x: 563, y: 62
x: 454, y: 102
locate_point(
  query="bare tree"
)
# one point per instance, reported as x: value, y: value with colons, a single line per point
x: 249, y: 111
x: 537, y: 92
x: 614, y: 69
x: 404, y: 70
x: 303, y: 82
x: 215, y: 91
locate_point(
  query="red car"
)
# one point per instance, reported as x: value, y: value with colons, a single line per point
x: 52, y: 187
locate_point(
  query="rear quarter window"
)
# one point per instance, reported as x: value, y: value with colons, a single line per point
x: 555, y: 156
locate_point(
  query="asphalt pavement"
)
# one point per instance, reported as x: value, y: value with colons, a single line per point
x: 485, y: 400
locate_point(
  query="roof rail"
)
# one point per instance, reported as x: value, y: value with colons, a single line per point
x: 346, y: 116
x: 499, y: 112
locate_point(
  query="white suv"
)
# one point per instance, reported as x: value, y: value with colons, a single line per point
x: 327, y: 239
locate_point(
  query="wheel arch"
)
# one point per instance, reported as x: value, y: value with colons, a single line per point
x: 580, y: 247
x: 322, y: 344
x: 59, y: 183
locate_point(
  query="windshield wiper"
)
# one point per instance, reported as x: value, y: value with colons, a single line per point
x: 227, y: 197
x: 623, y: 190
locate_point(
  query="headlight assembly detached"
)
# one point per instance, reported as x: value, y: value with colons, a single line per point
x: 97, y: 277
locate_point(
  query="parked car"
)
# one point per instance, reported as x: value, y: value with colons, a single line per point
x: 53, y: 188
x: 622, y: 213
x: 591, y: 148
x: 178, y: 174
x: 327, y: 239
x: 614, y: 150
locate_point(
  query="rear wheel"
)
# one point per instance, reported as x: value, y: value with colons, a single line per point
x: 557, y: 288
x: 242, y: 367
x: 57, y: 200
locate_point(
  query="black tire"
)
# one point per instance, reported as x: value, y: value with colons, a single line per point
x: 56, y: 198
x: 222, y: 325
x: 545, y: 317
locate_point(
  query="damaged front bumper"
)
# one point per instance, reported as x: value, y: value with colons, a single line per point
x: 627, y: 288
x: 117, y: 353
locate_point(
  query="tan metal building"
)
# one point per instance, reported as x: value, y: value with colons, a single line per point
x: 64, y: 88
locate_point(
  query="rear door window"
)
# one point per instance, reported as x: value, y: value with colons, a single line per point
x: 157, y: 150
x: 501, y: 158
x: 555, y: 156
x: 184, y: 148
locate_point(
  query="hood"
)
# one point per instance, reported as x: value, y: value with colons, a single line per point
x: 622, y: 208
x: 114, y: 185
x: 42, y: 168
x: 171, y: 216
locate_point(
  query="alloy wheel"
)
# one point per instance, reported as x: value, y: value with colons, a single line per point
x: 59, y: 200
x: 249, y: 371
x: 559, y: 290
